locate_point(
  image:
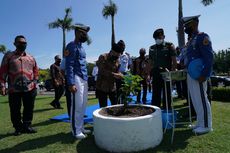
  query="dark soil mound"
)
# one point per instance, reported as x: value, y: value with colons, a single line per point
x: 130, y: 111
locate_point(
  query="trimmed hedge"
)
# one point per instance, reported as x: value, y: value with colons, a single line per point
x: 221, y: 94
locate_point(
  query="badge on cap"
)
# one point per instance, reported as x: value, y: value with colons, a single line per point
x: 206, y: 41
x: 66, y: 53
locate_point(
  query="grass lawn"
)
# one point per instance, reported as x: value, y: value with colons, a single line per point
x: 55, y: 137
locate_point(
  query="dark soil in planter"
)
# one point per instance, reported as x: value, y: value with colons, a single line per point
x: 130, y: 111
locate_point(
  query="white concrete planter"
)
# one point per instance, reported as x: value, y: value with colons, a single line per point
x: 128, y: 134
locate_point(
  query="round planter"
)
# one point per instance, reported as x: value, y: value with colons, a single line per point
x: 116, y: 134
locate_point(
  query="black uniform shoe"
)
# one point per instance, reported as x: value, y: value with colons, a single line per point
x: 29, y: 130
x: 17, y: 132
x: 59, y: 107
x: 53, y: 104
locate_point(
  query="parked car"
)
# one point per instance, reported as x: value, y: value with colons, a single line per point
x: 220, y: 81
x: 49, y: 85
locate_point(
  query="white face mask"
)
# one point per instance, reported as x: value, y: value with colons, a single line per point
x: 159, y: 41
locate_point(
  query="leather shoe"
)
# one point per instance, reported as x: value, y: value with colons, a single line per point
x: 17, y: 132
x: 59, y: 107
x: 52, y: 104
x: 29, y: 130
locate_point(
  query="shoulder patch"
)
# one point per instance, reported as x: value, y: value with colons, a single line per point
x: 66, y: 53
x: 206, y: 41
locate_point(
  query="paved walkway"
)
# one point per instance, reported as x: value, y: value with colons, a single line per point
x: 44, y: 92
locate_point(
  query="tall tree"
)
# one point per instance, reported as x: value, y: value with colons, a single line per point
x: 180, y: 31
x: 110, y: 10
x: 65, y: 24
x: 2, y: 49
x: 207, y: 2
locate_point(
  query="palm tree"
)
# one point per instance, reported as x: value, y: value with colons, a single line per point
x: 2, y: 49
x: 180, y: 31
x: 65, y: 24
x: 110, y: 10
x: 207, y: 2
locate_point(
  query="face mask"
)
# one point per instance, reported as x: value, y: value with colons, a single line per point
x: 188, y: 30
x: 58, y: 62
x: 21, y: 47
x: 159, y: 41
x: 142, y: 55
x: 83, y: 38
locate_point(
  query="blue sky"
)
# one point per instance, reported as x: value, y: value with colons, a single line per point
x: 134, y: 23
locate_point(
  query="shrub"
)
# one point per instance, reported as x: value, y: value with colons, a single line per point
x: 221, y: 94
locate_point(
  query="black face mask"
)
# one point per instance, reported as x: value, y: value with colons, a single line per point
x: 142, y: 55
x: 21, y: 47
x: 83, y: 38
x: 188, y: 30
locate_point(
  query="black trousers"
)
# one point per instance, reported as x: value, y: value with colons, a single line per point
x: 102, y: 98
x: 158, y: 87
x: 58, y: 93
x: 144, y: 86
x: 15, y: 102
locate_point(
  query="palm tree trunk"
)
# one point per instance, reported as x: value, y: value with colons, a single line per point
x: 180, y: 32
x: 63, y: 47
x: 113, y: 32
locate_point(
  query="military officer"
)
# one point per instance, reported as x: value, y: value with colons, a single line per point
x: 162, y: 58
x: 76, y: 75
x: 199, y: 47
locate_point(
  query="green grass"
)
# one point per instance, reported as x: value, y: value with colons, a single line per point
x: 55, y: 137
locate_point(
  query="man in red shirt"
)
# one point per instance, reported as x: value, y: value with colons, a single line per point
x: 20, y: 71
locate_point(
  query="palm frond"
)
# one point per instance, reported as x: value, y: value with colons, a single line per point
x: 2, y: 49
x: 109, y: 10
x: 207, y: 2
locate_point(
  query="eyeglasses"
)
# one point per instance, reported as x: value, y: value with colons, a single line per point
x: 23, y: 43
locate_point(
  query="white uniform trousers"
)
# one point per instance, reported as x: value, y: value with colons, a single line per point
x: 78, y: 105
x: 198, y: 92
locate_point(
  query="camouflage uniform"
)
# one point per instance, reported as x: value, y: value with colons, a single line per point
x: 161, y: 59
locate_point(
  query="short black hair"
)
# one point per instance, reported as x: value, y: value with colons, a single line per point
x: 18, y: 37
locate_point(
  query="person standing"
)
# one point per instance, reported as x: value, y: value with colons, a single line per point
x: 125, y: 63
x: 199, y: 47
x: 20, y: 71
x: 94, y: 74
x: 76, y: 73
x: 58, y: 81
x: 67, y: 92
x: 162, y: 57
x: 108, y: 65
x: 141, y: 68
